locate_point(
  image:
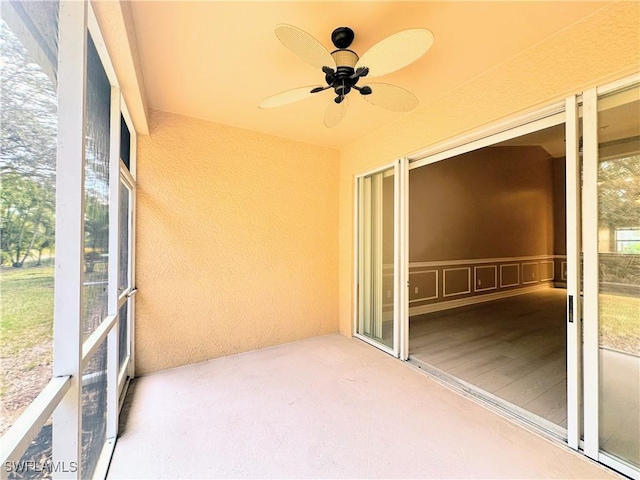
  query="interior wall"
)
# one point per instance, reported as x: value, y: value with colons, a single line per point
x: 599, y: 48
x: 490, y: 203
x: 237, y: 241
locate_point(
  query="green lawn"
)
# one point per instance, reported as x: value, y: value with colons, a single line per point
x: 26, y: 312
x: 620, y: 323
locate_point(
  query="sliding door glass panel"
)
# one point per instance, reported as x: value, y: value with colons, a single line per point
x: 28, y: 143
x: 125, y: 143
x: 96, y: 210
x: 376, y: 262
x: 124, y: 241
x: 619, y: 273
x: 123, y: 337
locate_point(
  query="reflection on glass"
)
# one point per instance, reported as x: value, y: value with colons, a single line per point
x: 376, y: 293
x: 123, y: 267
x: 619, y: 273
x: 28, y: 143
x: 96, y: 258
x: 94, y: 410
x: 96, y: 211
x: 123, y: 339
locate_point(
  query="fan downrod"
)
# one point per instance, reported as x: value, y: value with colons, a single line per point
x: 342, y: 37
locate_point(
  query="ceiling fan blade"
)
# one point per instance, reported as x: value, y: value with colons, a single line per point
x: 335, y: 112
x: 396, y: 51
x: 391, y: 97
x: 290, y: 96
x: 304, y: 46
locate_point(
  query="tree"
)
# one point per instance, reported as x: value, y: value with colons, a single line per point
x: 26, y: 207
x: 28, y: 155
x: 618, y: 192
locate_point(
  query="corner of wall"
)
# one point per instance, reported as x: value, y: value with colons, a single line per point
x: 237, y: 241
x: 118, y: 30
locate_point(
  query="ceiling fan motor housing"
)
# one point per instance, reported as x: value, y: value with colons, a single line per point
x: 345, y: 62
x: 343, y: 79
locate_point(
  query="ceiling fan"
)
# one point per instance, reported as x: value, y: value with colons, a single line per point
x: 342, y: 69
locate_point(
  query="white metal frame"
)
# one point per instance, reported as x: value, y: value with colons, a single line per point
x: 62, y: 397
x: 511, y: 128
x: 567, y: 112
x: 69, y: 272
x: 573, y: 275
x: 403, y: 254
x: 591, y: 358
x: 129, y: 178
x: 590, y: 246
x: 507, y: 130
x: 359, y: 256
x: 28, y: 425
x: 128, y: 294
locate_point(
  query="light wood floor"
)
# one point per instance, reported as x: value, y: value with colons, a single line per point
x: 514, y: 348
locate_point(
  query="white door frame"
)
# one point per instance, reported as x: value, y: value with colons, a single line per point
x: 591, y: 358
x: 582, y: 362
x: 359, y: 257
x: 125, y: 296
x: 574, y: 305
x: 590, y: 245
x: 555, y: 114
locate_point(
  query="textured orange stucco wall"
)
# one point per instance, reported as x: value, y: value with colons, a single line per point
x: 237, y: 241
x: 602, y: 47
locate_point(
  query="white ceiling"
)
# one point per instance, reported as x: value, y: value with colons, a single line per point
x: 218, y: 60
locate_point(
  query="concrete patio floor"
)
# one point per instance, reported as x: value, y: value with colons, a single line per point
x: 326, y: 407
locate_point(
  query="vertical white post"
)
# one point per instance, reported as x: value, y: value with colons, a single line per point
x: 377, y: 195
x: 69, y: 276
x: 358, y: 256
x: 114, y: 260
x: 404, y: 259
x: 365, y: 266
x: 132, y: 250
x: 574, y: 326
x: 397, y: 257
x: 591, y: 287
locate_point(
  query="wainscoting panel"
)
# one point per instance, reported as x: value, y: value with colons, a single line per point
x: 456, y: 281
x: 439, y: 285
x: 509, y: 275
x: 423, y: 285
x: 485, y: 278
x: 530, y: 273
x: 546, y: 271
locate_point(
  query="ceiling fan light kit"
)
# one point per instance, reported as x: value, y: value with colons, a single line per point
x: 343, y: 69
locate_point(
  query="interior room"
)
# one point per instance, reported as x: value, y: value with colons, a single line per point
x: 487, y: 270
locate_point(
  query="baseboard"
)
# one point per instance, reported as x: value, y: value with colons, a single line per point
x: 463, y: 302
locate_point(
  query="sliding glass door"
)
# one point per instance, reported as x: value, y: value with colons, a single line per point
x: 126, y: 288
x: 377, y: 246
x: 611, y: 232
x: 601, y: 269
